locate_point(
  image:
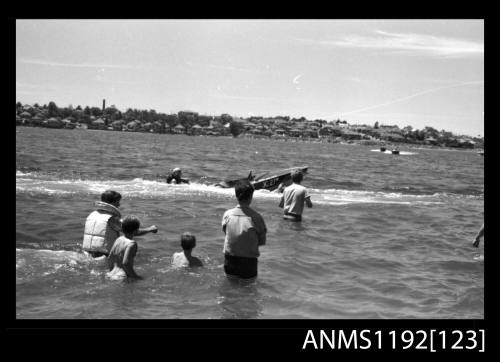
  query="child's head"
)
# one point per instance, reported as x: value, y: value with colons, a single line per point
x: 111, y: 197
x: 188, y: 241
x: 130, y: 225
x: 244, y: 190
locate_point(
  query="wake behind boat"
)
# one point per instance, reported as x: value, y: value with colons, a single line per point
x: 268, y: 180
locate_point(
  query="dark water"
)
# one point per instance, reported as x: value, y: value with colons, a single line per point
x: 388, y: 237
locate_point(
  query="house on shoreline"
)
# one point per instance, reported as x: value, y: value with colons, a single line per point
x: 193, y: 124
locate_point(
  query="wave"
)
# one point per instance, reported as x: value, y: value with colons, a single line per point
x: 37, y: 184
x: 423, y: 190
x: 36, y: 264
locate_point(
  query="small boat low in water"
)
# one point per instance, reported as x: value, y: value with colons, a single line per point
x: 395, y: 152
x: 382, y: 149
x: 269, y: 180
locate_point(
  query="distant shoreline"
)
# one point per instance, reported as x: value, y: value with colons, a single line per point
x: 276, y: 128
x: 289, y: 139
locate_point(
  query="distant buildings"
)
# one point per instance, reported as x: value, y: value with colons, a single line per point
x: 194, y: 124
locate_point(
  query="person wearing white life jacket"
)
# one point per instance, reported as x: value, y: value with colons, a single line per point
x: 103, y: 226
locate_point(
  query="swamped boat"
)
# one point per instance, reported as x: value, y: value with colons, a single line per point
x: 268, y: 180
x: 271, y: 180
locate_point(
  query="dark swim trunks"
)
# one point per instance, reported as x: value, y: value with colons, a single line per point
x: 96, y: 254
x: 240, y: 267
x: 292, y: 217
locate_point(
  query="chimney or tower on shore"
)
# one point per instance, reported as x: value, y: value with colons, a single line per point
x: 103, y: 108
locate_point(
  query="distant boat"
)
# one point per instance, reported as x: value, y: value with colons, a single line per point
x: 382, y: 149
x: 395, y: 152
x: 481, y: 153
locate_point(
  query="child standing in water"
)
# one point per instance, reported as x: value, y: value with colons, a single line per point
x: 122, y: 254
x: 184, y: 258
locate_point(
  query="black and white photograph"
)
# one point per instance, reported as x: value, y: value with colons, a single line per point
x: 249, y: 169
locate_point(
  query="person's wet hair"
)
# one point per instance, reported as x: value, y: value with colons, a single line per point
x: 243, y: 190
x: 297, y: 176
x: 130, y: 224
x: 188, y: 241
x: 110, y: 196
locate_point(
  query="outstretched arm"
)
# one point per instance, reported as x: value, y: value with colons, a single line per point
x: 151, y: 229
x: 280, y: 188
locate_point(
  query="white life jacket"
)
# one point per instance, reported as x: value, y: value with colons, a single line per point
x: 98, y: 234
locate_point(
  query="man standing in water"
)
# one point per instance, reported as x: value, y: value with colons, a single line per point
x: 294, y: 197
x: 245, y: 231
x: 103, y: 226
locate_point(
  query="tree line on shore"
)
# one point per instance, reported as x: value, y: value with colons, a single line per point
x: 193, y: 123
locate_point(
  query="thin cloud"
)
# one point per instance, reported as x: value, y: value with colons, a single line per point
x: 407, y: 44
x: 225, y: 67
x: 27, y: 85
x: 296, y: 79
x: 25, y: 92
x: 222, y: 95
x: 410, y: 97
x: 227, y: 96
x: 74, y: 65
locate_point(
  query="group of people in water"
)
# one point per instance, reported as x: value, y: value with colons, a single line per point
x: 244, y: 228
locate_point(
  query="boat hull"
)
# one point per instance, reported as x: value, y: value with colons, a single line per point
x: 268, y: 181
x: 272, y: 182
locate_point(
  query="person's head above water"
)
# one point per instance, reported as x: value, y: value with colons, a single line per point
x: 130, y: 224
x: 111, y: 197
x: 188, y: 241
x: 177, y: 171
x: 244, y: 191
x: 297, y: 176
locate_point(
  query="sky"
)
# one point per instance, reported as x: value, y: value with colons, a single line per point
x: 397, y: 72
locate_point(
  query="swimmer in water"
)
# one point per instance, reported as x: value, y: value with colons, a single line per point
x: 176, y: 175
x: 122, y: 254
x: 184, y: 258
